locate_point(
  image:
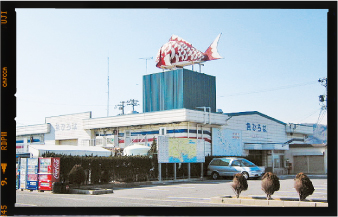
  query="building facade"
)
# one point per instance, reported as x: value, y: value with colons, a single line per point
x: 180, y: 104
x: 258, y: 137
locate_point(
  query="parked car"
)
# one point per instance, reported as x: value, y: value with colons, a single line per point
x: 229, y: 166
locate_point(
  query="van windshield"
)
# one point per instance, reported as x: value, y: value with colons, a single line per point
x: 247, y: 163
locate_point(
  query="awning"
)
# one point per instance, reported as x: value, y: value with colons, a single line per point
x: 266, y: 146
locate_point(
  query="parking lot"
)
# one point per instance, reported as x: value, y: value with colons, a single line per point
x: 179, y: 194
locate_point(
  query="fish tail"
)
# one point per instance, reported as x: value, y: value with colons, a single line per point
x: 211, y: 52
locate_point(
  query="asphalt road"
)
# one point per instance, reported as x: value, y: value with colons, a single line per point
x: 189, y: 194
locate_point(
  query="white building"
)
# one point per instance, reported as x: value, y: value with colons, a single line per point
x: 254, y: 135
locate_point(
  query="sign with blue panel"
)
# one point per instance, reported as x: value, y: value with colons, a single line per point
x: 32, y: 185
x: 180, y: 150
x: 226, y: 142
x: 32, y: 173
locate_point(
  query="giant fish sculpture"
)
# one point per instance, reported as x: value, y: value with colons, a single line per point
x: 177, y: 52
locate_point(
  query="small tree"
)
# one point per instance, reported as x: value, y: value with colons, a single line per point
x: 152, y: 153
x: 153, y: 149
x: 77, y: 175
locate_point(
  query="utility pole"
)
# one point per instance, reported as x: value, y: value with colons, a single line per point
x: 121, y: 106
x: 108, y: 90
x: 323, y: 98
x: 133, y: 103
x: 146, y: 58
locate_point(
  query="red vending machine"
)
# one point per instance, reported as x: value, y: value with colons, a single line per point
x: 49, y: 172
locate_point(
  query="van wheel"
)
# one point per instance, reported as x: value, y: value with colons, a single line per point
x: 246, y: 175
x: 215, y: 175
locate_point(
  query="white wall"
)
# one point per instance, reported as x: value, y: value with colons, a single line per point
x: 67, y: 127
x: 33, y: 129
x: 160, y: 117
x: 275, y: 132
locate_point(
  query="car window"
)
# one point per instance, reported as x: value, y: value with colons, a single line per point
x: 236, y: 163
x: 224, y: 162
x: 247, y: 163
x: 215, y: 162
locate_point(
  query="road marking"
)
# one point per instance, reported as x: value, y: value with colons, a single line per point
x: 163, y: 200
x: 150, y: 189
x: 71, y: 198
x: 41, y: 195
x: 196, y: 198
x: 174, y: 187
x: 25, y: 204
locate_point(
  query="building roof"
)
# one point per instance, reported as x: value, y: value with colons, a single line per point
x: 156, y: 117
x: 307, y: 145
x: 254, y: 113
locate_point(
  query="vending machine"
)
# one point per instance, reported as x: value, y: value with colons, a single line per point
x: 29, y: 173
x: 32, y: 173
x: 49, y: 172
x: 17, y: 177
x: 23, y: 168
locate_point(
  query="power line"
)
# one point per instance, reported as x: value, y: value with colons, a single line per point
x: 321, y: 115
x: 49, y: 103
x: 272, y: 89
x: 312, y: 113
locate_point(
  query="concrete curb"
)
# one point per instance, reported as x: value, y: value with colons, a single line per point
x: 92, y: 192
x: 278, y: 202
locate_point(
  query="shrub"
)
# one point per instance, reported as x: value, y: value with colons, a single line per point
x: 77, y: 175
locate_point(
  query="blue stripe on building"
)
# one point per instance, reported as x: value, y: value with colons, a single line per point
x: 154, y: 132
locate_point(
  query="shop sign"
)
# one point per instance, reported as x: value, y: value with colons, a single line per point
x: 256, y: 127
x: 65, y: 126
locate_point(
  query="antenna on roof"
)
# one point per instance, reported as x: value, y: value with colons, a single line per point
x: 121, y: 107
x: 146, y: 58
x: 132, y: 102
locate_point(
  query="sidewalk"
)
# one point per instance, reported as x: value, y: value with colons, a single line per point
x: 276, y: 202
x: 320, y: 176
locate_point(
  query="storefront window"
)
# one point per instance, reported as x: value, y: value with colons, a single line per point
x: 281, y: 157
x: 278, y: 161
x: 256, y: 157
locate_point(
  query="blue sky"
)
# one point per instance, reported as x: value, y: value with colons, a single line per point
x: 272, y: 59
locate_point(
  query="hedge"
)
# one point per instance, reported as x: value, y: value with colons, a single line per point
x: 106, y: 169
x: 127, y: 168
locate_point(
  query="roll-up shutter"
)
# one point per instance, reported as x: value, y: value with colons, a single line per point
x: 309, y: 164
